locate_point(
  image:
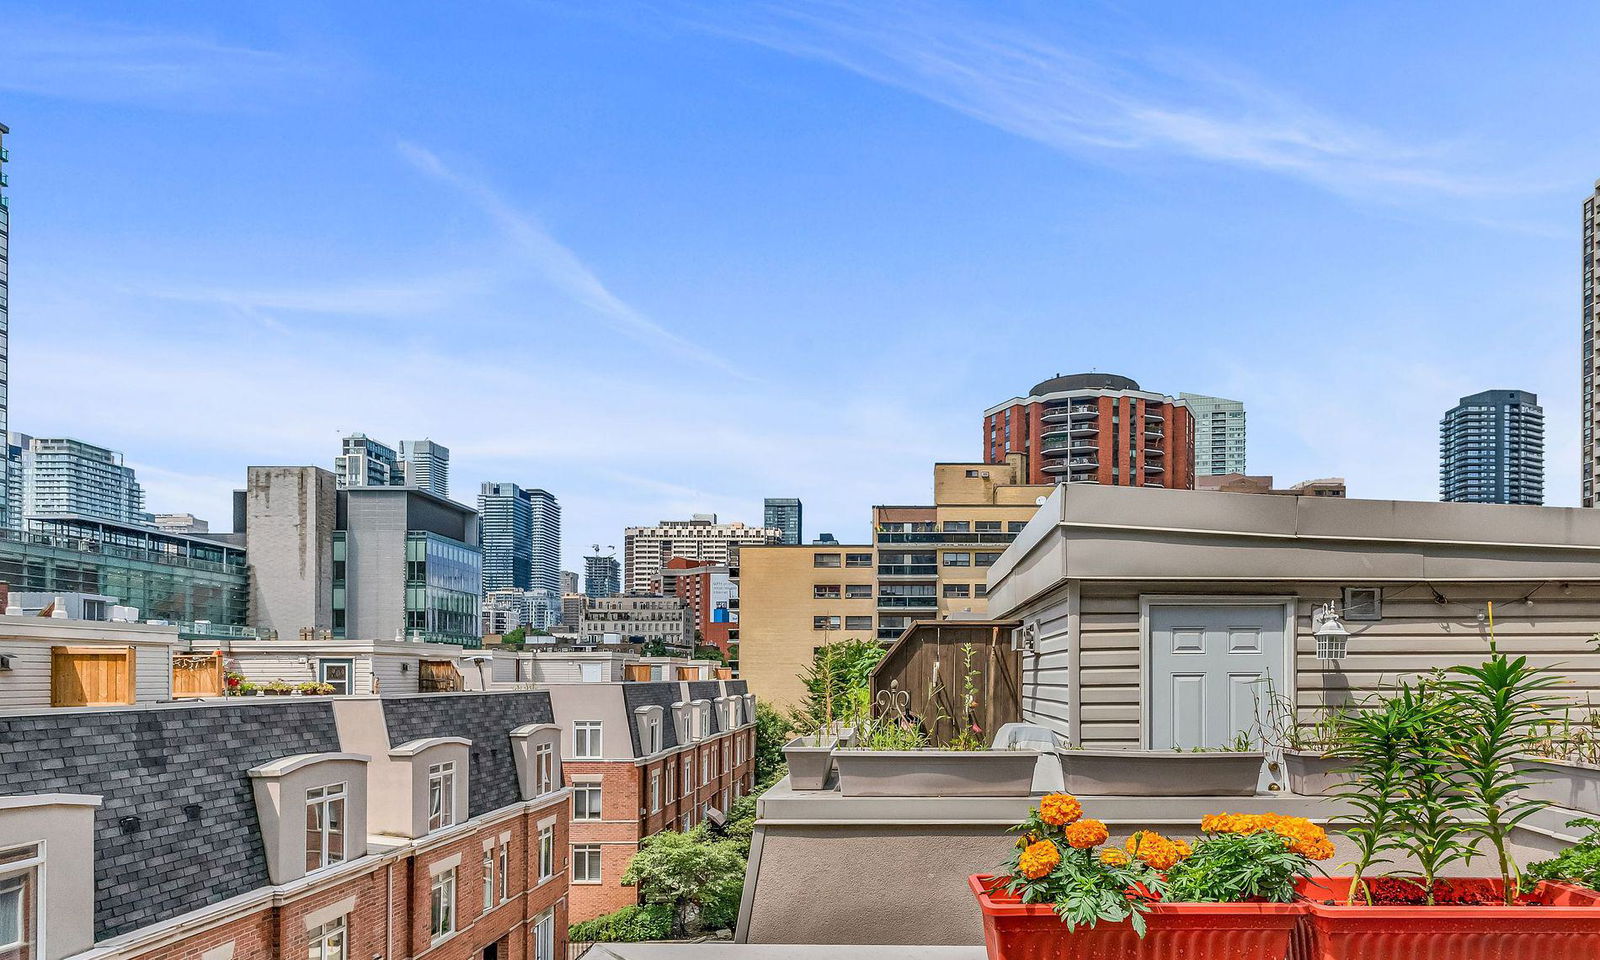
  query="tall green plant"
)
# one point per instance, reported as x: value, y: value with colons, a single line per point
x: 1499, y: 708
x: 1433, y: 807
x: 1371, y: 743
x: 837, y: 682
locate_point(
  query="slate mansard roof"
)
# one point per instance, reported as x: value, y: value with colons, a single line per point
x: 654, y: 694
x: 177, y: 830
x: 486, y: 719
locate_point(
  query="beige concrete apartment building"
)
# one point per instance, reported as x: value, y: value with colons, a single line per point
x: 926, y: 562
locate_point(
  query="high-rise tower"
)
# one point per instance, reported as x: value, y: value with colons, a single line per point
x: 1491, y: 449
x: 1590, y: 272
x: 1219, y: 437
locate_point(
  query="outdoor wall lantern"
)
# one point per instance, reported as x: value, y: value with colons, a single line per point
x: 1332, y: 637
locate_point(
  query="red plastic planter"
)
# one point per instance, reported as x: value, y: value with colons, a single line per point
x: 1562, y: 923
x: 1013, y: 930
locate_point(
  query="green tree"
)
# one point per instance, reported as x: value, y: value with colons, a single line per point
x: 652, y: 648
x: 838, y: 683
x: 708, y: 653
x: 772, y: 732
x: 514, y: 638
x: 687, y: 872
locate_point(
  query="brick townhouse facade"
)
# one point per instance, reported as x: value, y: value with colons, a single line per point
x: 640, y: 758
x: 309, y: 828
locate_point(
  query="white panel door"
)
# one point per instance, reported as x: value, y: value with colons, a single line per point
x: 1213, y: 670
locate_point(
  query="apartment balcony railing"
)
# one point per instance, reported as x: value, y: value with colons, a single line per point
x: 908, y: 569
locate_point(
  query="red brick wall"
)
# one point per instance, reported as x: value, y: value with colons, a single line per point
x: 278, y: 932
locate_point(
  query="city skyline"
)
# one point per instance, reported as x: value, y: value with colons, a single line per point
x: 266, y: 270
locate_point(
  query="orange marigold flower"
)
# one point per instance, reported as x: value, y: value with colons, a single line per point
x: 1313, y: 848
x: 1087, y: 833
x: 1113, y: 857
x: 1154, y: 849
x: 1183, y: 848
x: 1060, y: 809
x: 1038, y: 860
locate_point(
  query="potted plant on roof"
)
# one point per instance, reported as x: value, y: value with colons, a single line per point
x: 1436, y: 775
x: 1065, y: 895
x: 1305, y: 750
x: 277, y: 688
x: 836, y: 683
x: 1563, y: 763
x: 1231, y: 770
x: 893, y: 754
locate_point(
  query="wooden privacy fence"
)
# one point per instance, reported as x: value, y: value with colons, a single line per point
x: 92, y: 676
x: 930, y: 666
x: 438, y: 676
x: 196, y: 675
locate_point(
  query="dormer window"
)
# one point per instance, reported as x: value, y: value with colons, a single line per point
x: 325, y: 826
x: 544, y: 767
x: 652, y: 740
x: 441, y: 795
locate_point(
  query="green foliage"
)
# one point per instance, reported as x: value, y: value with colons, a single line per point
x: 653, y: 648
x: 514, y: 637
x: 1235, y: 867
x: 1083, y: 890
x: 686, y: 872
x: 881, y: 734
x: 1579, y: 863
x: 772, y: 732
x: 837, y: 684
x: 1500, y: 706
x: 628, y: 925
x: 708, y: 653
x: 1371, y: 747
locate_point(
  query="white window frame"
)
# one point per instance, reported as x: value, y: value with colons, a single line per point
x: 544, y: 936
x: 331, y: 941
x: 326, y: 797
x: 544, y: 768
x: 672, y: 779
x: 655, y: 791
x: 442, y: 786
x: 442, y: 905
x: 588, y: 740
x: 652, y: 741
x: 488, y: 880
x: 588, y: 789
x: 580, y: 854
x: 547, y: 853
x: 27, y: 873
x: 503, y: 871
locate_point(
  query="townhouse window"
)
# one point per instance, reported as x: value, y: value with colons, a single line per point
x: 488, y: 880
x: 504, y: 872
x: 858, y: 591
x: 586, y: 740
x: 672, y: 779
x: 825, y: 591
x: 324, y: 826
x: 688, y: 774
x: 824, y: 623
x: 442, y: 905
x: 544, y: 768
x: 707, y: 766
x: 441, y: 795
x: 858, y: 559
x: 19, y: 902
x: 980, y: 589
x: 726, y: 749
x: 958, y: 559
x: 547, y: 853
x: 985, y: 559
x: 825, y: 560
x: 544, y: 936
x: 652, y: 736
x: 586, y: 863
x: 858, y: 623
x: 1015, y: 526
x: 586, y: 801
x: 328, y: 941
x: 655, y: 790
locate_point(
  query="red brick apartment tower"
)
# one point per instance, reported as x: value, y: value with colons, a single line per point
x: 1095, y: 428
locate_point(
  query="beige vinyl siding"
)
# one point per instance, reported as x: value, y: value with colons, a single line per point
x: 1415, y: 636
x: 152, y: 680
x: 395, y: 674
x: 28, y: 683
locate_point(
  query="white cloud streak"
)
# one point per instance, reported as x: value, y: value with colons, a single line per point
x: 560, y: 266
x: 1028, y: 84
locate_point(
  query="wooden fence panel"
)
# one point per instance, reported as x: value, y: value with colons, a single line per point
x: 91, y: 676
x: 196, y: 675
x: 438, y: 676
x: 931, y: 667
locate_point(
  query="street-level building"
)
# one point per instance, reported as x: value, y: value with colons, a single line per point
x: 794, y: 599
x: 330, y: 827
x: 1094, y: 428
x: 640, y: 758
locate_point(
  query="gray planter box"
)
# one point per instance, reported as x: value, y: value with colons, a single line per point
x: 936, y: 773
x: 1310, y: 774
x: 1161, y: 773
x: 810, y: 761
x: 1565, y: 783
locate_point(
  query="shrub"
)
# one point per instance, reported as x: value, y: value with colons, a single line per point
x: 628, y: 925
x: 1579, y: 863
x: 686, y: 873
x: 772, y: 732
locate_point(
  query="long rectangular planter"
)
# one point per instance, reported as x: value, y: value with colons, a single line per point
x: 1564, y: 925
x: 1310, y: 774
x: 1013, y: 930
x: 936, y: 773
x: 1161, y: 773
x: 810, y: 761
x: 1564, y: 783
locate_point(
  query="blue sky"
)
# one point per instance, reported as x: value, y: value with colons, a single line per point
x: 672, y: 258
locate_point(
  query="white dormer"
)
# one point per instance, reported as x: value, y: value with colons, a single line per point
x: 537, y: 749
x: 683, y: 721
x: 313, y: 812
x: 727, y: 712
x: 47, y: 868
x: 700, y: 710
x: 650, y: 722
x: 749, y: 708
x: 421, y: 787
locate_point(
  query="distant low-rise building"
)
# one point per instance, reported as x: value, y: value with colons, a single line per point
x: 639, y: 619
x: 1243, y: 483
x: 181, y: 523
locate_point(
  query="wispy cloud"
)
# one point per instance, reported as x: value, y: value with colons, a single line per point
x: 119, y: 63
x: 559, y: 265
x: 1037, y: 86
x: 387, y: 298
